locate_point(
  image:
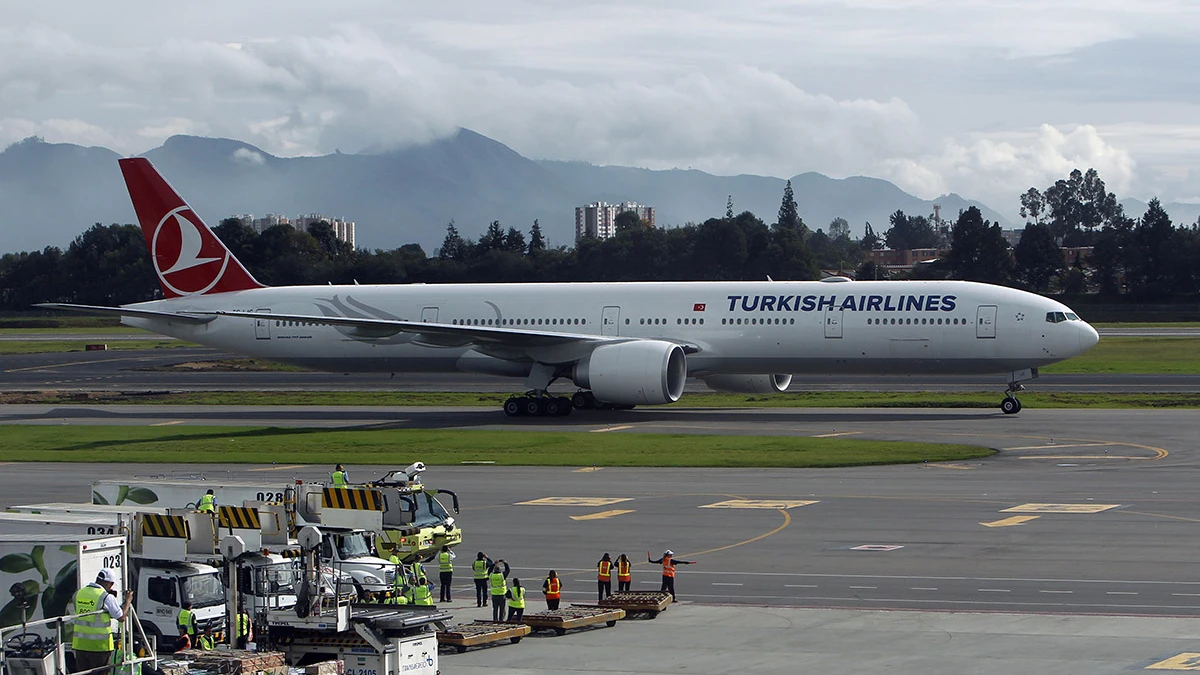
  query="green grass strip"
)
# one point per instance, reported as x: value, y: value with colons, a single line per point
x: 57, y: 346
x: 263, y: 445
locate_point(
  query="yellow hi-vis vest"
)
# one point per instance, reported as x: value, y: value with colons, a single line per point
x: 243, y: 624
x: 444, y: 563
x: 517, y: 601
x: 480, y: 569
x: 92, y: 633
x: 207, y: 503
x: 185, y: 618
x: 338, y: 478
x: 421, y: 595
x: 498, y: 584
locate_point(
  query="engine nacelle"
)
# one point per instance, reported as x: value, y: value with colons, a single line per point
x: 645, y: 372
x: 748, y: 384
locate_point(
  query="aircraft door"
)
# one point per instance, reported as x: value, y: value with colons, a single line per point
x: 429, y: 315
x: 833, y: 323
x: 985, y: 322
x: 610, y: 324
x: 262, y: 327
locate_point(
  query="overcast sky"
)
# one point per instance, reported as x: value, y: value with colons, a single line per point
x: 981, y: 97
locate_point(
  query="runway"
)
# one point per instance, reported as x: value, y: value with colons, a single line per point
x: 151, y: 370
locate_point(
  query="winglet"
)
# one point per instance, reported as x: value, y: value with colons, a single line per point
x: 188, y: 258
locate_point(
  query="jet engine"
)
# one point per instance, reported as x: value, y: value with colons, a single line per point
x: 748, y: 384
x: 644, y: 372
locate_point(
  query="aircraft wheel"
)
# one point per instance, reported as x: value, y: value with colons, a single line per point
x: 513, y: 407
x: 532, y: 406
x: 583, y: 400
x: 551, y: 407
x: 1010, y: 406
x: 564, y: 406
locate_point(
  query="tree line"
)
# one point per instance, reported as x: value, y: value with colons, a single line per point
x: 1145, y: 258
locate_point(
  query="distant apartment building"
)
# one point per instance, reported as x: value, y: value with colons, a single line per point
x: 598, y: 220
x: 342, y: 229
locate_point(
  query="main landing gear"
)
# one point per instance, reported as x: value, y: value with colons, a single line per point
x: 537, y: 404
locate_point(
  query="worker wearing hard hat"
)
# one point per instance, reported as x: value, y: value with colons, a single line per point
x: 498, y: 584
x: 669, y: 561
x: 92, y: 639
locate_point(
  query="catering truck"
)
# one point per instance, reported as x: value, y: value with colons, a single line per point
x: 40, y: 574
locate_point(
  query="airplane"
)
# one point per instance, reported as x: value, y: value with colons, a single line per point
x: 622, y: 344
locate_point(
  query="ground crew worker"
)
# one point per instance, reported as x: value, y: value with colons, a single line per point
x: 552, y: 589
x: 207, y: 503
x: 498, y: 587
x: 669, y: 562
x: 417, y: 570
x: 186, y: 620
x: 422, y: 595
x: 604, y: 578
x: 245, y: 631
x: 391, y: 551
x: 445, y: 573
x: 479, y: 569
x: 624, y: 575
x: 339, y: 477
x: 184, y: 641
x: 206, y: 641
x: 92, y: 640
x: 516, y: 601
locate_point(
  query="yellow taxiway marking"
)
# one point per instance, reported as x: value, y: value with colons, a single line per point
x: 600, y: 431
x: 279, y: 468
x: 575, y: 501
x: 72, y: 363
x: 167, y: 424
x: 603, y: 514
x: 588, y: 468
x: 1057, y: 445
x: 1081, y: 457
x: 951, y: 466
x: 757, y: 504
x: 1009, y: 522
x: 1184, y: 661
x: 1060, y: 508
x: 838, y: 433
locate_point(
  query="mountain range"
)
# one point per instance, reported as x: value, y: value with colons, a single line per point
x: 50, y: 192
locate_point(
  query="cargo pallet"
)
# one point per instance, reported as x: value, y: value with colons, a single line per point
x: 647, y: 602
x: 481, y: 633
x: 562, y: 620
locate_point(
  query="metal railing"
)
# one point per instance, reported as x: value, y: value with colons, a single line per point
x: 54, y: 627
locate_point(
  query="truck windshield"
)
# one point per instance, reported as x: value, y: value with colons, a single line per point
x: 352, y: 546
x: 202, y: 590
x: 430, y: 512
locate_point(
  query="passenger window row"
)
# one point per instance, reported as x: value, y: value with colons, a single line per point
x: 519, y: 322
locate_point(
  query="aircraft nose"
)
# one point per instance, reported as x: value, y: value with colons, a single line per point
x: 1088, y: 337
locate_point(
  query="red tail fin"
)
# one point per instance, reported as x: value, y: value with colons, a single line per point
x: 187, y: 256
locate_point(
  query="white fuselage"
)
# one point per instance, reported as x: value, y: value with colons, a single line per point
x: 731, y: 327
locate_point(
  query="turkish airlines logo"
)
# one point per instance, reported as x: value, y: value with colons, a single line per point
x: 187, y: 257
x: 698, y: 307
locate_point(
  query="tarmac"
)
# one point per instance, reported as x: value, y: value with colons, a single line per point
x: 712, y: 640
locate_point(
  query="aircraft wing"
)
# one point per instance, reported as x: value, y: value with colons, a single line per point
x: 443, y: 334
x: 516, y: 344
x: 128, y: 311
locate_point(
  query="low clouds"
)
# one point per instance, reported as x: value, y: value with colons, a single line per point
x: 843, y: 87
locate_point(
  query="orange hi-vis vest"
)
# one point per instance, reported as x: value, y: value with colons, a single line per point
x: 605, y: 570
x: 623, y: 571
x: 668, y: 568
x: 553, y: 589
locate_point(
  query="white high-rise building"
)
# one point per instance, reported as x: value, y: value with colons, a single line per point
x: 598, y: 219
x: 342, y: 229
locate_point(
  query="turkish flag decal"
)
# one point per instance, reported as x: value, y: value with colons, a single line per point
x: 698, y: 307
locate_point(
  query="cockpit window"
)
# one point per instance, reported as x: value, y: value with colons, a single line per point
x: 1072, y: 317
x: 1055, y: 317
